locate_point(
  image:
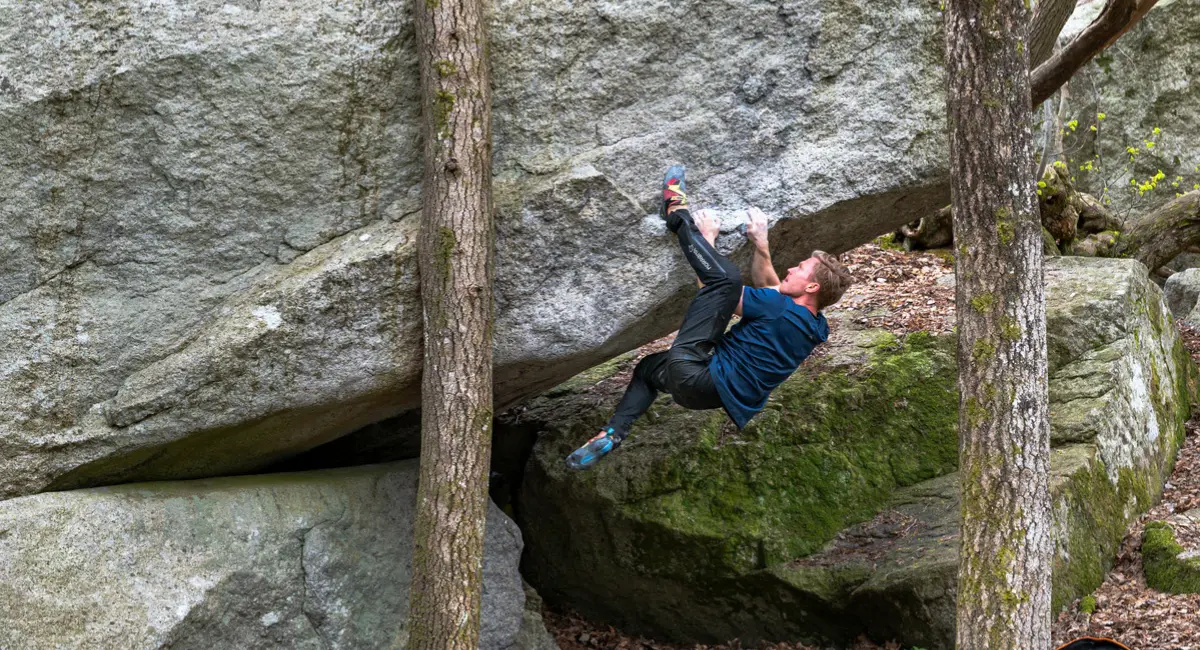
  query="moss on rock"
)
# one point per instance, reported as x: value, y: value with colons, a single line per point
x: 690, y: 500
x: 1167, y: 566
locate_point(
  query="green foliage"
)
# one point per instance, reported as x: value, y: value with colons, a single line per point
x: 1088, y: 604
x: 1147, y: 149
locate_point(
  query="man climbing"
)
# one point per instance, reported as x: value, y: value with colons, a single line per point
x: 707, y: 368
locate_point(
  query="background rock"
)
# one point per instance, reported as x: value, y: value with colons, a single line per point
x: 836, y: 510
x: 307, y: 560
x: 1182, y: 289
x: 209, y: 208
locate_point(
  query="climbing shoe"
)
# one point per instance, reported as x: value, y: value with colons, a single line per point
x: 594, y: 449
x: 674, y: 195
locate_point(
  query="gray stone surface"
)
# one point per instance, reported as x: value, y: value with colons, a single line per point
x: 533, y: 634
x: 835, y: 512
x: 316, y: 560
x: 208, y: 207
x: 1145, y: 80
x: 1182, y: 289
x: 1185, y: 261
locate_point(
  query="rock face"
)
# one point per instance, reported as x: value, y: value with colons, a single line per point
x: 1182, y: 290
x: 1145, y: 81
x: 836, y: 510
x: 306, y: 560
x: 210, y: 209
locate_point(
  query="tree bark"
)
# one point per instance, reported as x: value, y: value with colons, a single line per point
x: 1049, y: 17
x: 1003, y: 597
x: 457, y: 243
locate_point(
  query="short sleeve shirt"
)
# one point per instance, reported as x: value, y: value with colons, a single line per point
x: 762, y: 350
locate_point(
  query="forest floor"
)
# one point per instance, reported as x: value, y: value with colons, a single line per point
x: 903, y: 292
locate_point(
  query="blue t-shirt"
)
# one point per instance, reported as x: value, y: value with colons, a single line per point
x: 765, y: 348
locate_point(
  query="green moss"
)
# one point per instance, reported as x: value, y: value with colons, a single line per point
x: 446, y: 248
x: 1049, y: 246
x: 827, y: 451
x: 1006, y: 230
x: 1088, y: 604
x: 1009, y: 329
x: 983, y: 303
x: 944, y: 254
x: 1095, y: 513
x: 1164, y: 569
x: 983, y: 351
x: 593, y: 375
x: 445, y: 67
x: 443, y: 105
x: 888, y: 242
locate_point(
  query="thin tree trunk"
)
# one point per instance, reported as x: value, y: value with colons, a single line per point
x: 457, y: 244
x: 1004, y: 448
x: 1049, y: 17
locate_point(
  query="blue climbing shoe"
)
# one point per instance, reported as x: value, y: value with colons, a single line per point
x: 674, y: 195
x: 594, y: 449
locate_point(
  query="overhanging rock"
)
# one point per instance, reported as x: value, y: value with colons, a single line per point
x: 209, y: 210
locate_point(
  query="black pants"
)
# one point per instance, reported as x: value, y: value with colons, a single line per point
x: 682, y: 371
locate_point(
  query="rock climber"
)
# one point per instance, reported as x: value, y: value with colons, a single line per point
x: 707, y: 368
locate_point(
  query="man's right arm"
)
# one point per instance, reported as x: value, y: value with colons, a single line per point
x: 762, y: 273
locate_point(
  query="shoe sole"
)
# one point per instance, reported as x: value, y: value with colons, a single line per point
x: 586, y: 459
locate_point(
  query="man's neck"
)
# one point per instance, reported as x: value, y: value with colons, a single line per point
x: 808, y: 301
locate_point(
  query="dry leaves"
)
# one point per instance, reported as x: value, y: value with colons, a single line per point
x: 898, y: 291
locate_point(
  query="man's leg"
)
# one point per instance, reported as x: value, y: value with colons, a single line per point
x: 648, y: 379
x: 682, y: 370
x: 711, y: 309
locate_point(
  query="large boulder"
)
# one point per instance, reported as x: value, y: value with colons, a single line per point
x: 305, y: 560
x: 836, y: 511
x: 210, y: 209
x: 1142, y: 83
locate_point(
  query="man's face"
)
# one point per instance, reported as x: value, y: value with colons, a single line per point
x: 799, y: 279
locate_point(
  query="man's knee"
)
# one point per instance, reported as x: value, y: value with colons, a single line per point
x: 650, y: 368
x: 733, y: 274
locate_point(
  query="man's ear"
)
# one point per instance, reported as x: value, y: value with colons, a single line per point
x: 812, y: 287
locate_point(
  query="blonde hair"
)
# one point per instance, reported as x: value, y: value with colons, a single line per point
x: 833, y: 277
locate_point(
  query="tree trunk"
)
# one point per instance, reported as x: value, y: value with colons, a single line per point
x: 1003, y: 595
x: 1049, y: 17
x: 457, y: 244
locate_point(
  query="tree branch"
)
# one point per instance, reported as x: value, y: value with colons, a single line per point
x: 1113, y: 20
x: 1157, y: 237
x: 1142, y: 8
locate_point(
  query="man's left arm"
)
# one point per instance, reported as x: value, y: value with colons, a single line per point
x: 762, y: 272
